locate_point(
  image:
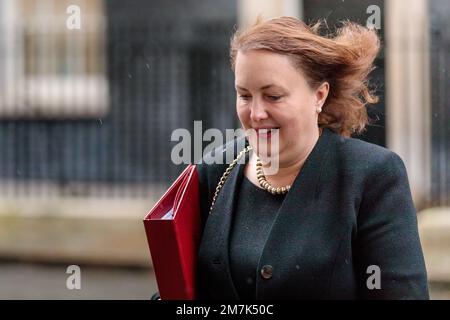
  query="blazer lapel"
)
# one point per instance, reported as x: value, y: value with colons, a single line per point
x: 305, y: 187
x: 302, y: 194
x: 221, y: 216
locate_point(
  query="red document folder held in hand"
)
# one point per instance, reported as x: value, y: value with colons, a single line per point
x: 173, y: 233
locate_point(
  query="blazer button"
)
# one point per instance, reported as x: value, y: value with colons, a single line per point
x: 266, y: 271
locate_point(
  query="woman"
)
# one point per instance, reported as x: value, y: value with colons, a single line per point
x: 336, y: 221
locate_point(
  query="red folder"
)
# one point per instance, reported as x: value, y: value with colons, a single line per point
x: 173, y: 233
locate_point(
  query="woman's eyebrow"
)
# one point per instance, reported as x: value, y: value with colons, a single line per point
x: 262, y: 88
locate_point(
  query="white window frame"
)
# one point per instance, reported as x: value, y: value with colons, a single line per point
x: 50, y: 95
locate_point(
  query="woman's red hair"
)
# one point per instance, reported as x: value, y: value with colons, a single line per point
x: 343, y: 59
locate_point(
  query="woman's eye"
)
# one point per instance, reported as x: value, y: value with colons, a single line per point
x: 274, y: 98
x: 244, y: 97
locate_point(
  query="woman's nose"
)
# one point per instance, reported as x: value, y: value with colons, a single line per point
x: 257, y: 111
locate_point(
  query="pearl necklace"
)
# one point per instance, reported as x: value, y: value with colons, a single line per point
x: 265, y: 184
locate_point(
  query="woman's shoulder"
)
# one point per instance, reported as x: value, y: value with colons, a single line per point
x: 225, y: 153
x: 370, y: 157
x: 215, y: 161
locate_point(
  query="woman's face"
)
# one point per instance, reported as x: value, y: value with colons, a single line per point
x: 272, y: 94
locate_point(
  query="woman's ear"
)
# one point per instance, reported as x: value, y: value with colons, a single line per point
x: 322, y: 94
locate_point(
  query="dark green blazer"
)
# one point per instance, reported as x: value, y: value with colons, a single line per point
x: 349, y: 208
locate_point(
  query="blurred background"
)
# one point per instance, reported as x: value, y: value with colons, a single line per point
x: 87, y: 108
